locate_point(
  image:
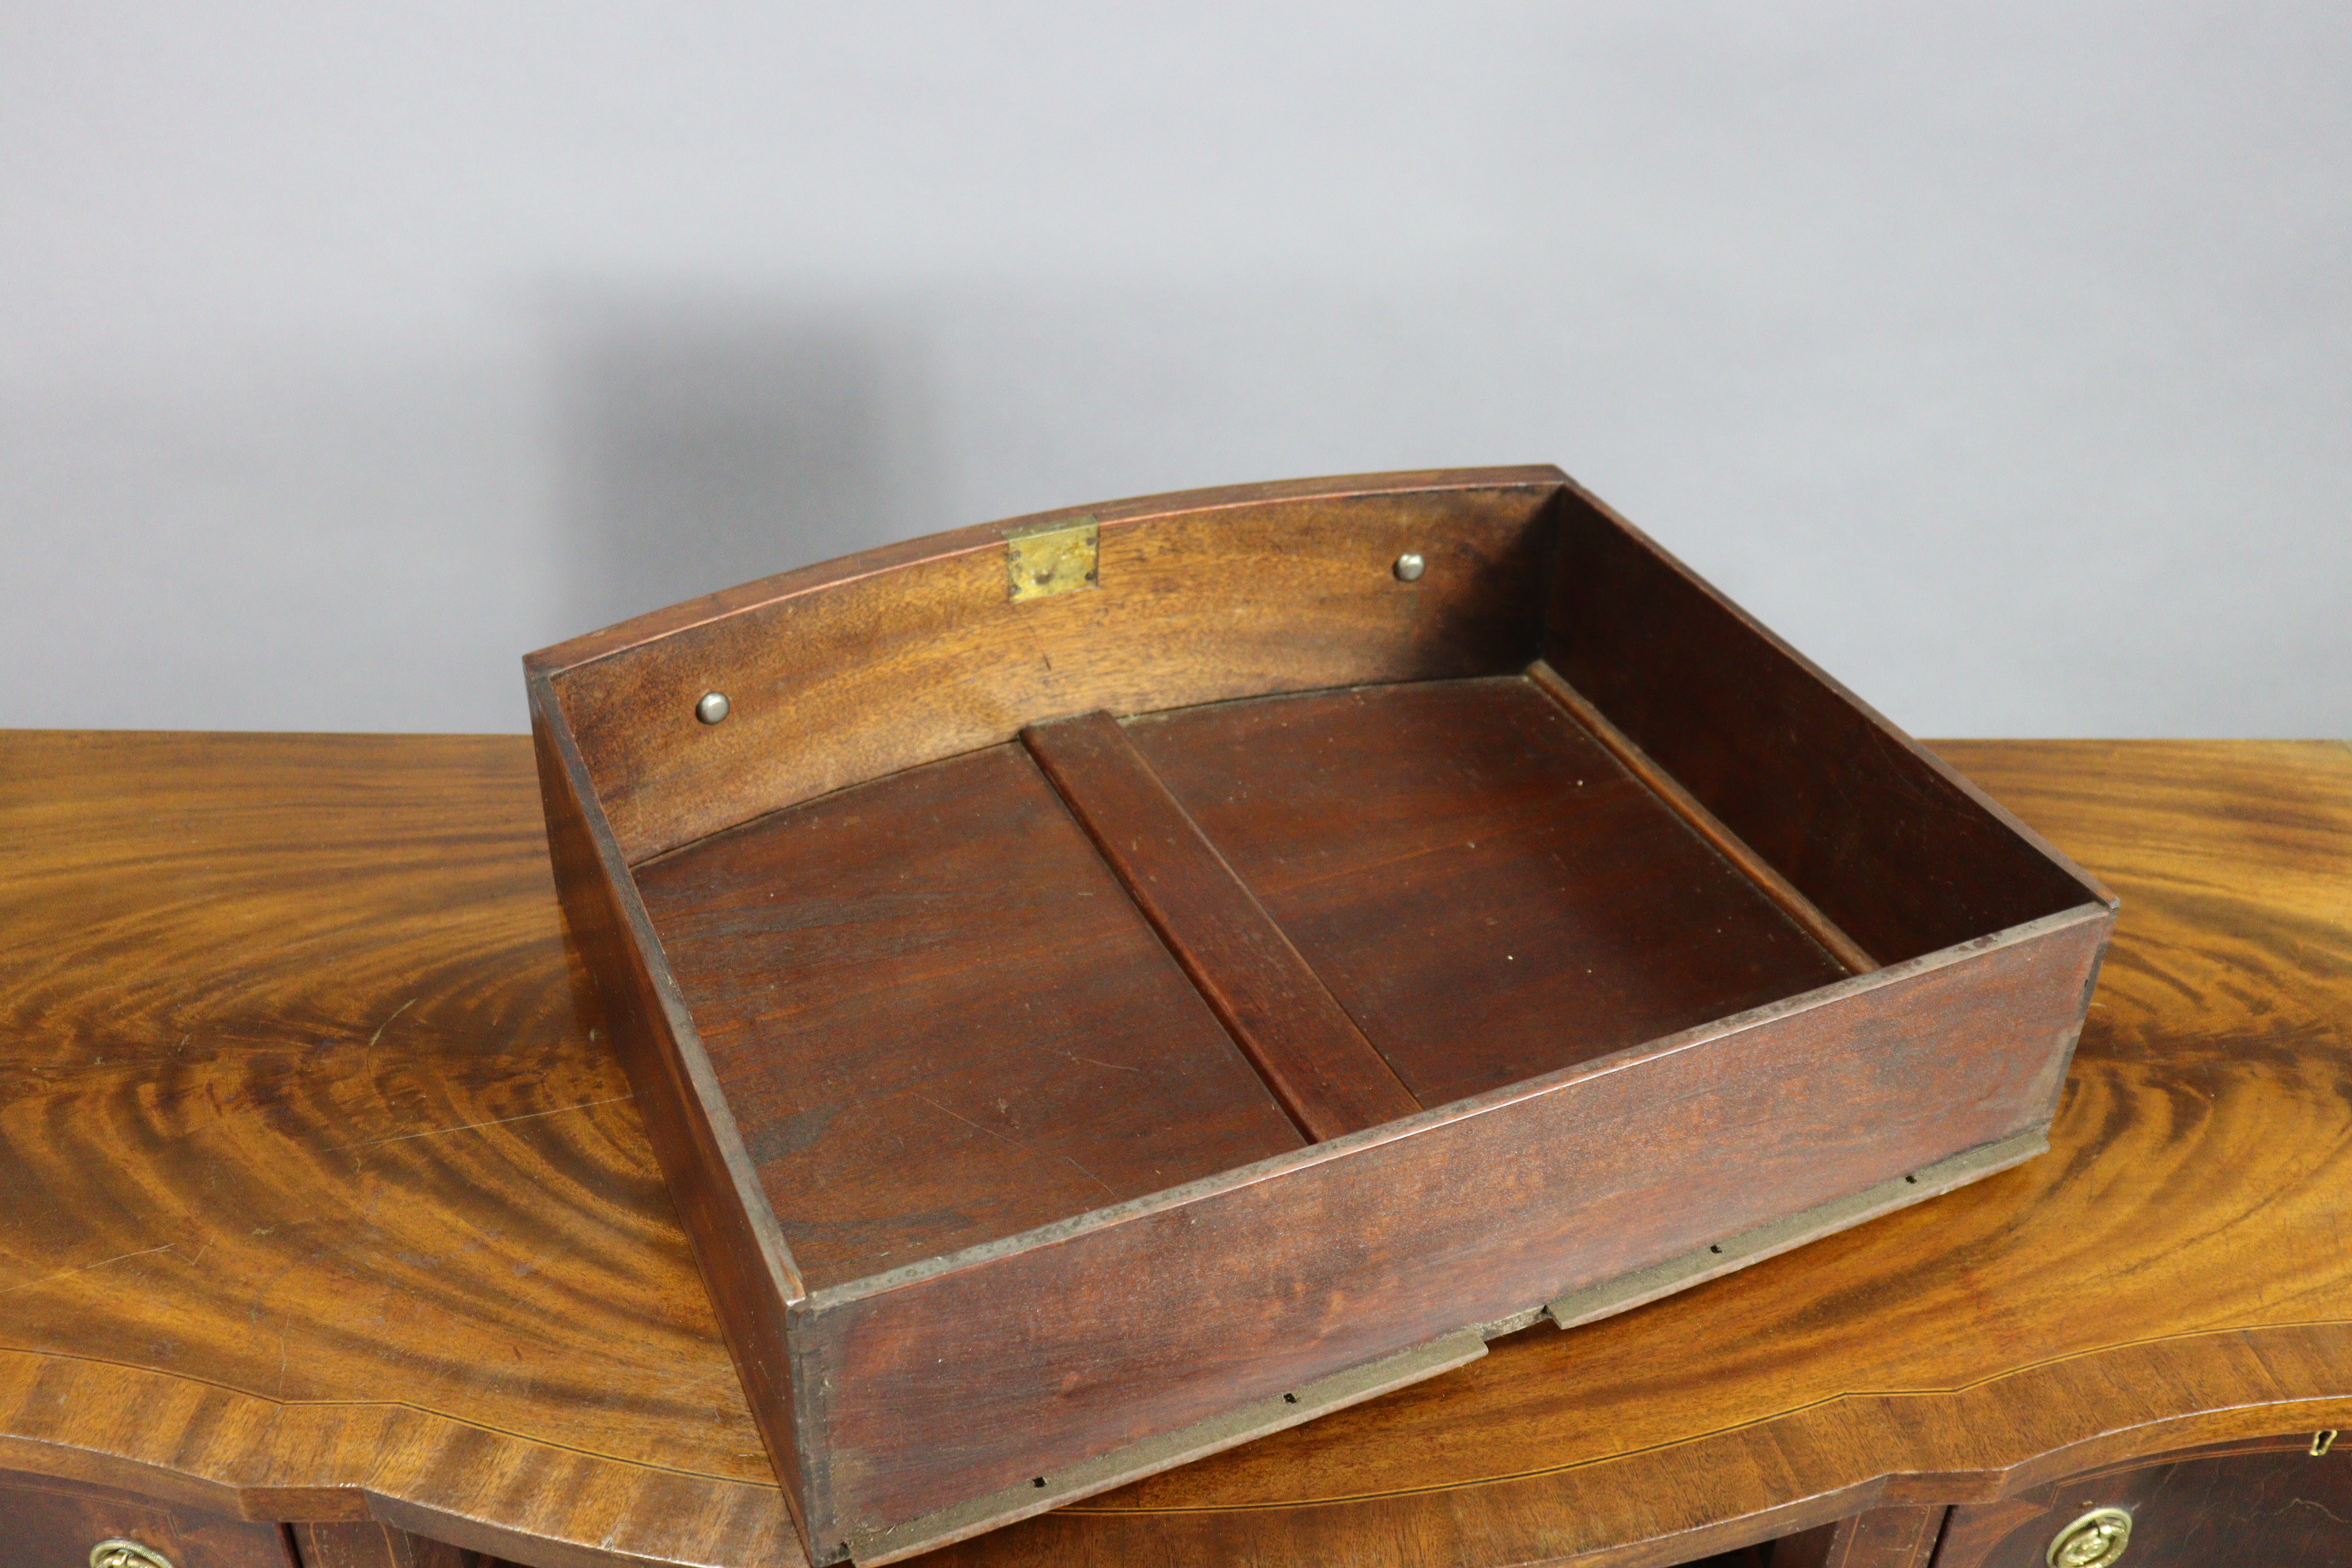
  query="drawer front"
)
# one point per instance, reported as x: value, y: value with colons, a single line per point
x: 2269, y: 1503
x: 58, y: 1524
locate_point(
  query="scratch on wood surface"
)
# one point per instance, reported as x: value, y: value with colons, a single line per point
x: 395, y: 1012
x: 1090, y: 1176
x: 367, y: 1052
x: 469, y: 1126
x: 967, y: 1121
x: 68, y: 1273
x: 1016, y: 1143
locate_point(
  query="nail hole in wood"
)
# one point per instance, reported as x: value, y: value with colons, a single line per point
x: 1039, y: 1481
x: 1715, y: 1250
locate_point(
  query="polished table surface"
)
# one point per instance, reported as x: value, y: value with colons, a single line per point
x: 322, y: 1198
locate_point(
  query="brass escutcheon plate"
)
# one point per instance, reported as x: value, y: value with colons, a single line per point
x: 1048, y: 558
x: 2093, y: 1541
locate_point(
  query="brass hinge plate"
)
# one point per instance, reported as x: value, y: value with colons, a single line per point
x: 1048, y: 558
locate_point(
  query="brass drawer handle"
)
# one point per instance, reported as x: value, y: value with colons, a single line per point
x: 2093, y: 1541
x: 120, y: 1553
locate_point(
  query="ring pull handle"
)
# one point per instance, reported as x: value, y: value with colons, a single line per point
x: 2093, y: 1541
x: 121, y: 1554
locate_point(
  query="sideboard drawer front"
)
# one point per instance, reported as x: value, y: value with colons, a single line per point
x: 48, y: 1523
x: 2268, y: 1504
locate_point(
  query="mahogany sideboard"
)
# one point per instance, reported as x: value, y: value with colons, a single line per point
x: 329, y: 1234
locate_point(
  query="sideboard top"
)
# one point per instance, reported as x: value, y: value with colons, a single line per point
x: 324, y: 1199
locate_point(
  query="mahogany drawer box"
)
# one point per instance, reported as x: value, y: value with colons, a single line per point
x: 1105, y: 986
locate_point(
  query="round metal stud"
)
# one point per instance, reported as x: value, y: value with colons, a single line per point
x: 712, y: 708
x: 2093, y: 1541
x: 1410, y: 566
x: 119, y: 1553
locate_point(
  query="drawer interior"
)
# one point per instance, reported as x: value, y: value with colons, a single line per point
x: 951, y: 1004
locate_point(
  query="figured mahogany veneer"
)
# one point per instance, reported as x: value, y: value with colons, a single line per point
x: 328, y: 1202
x: 1087, y: 1031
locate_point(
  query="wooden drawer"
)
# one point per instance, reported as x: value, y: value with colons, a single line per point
x: 2268, y: 1504
x: 47, y: 1523
x: 1108, y: 987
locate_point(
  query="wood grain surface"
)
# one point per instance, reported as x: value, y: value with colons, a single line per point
x: 2267, y: 1503
x: 319, y: 1200
x: 364, y: 1543
x: 1897, y: 1536
x: 1490, y: 894
x: 1277, y: 1009
x: 2177, y: 1268
x: 51, y: 1523
x: 1864, y: 823
x: 855, y: 668
x: 980, y: 1034
x: 1703, y: 822
x: 748, y: 1274
x: 986, y: 1373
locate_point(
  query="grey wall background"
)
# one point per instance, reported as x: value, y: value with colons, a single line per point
x: 2000, y: 356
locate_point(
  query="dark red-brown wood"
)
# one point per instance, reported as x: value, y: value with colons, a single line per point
x: 365, y: 1543
x: 846, y: 671
x: 751, y: 1273
x: 1159, y: 1314
x: 1705, y: 823
x: 1347, y: 816
x: 2266, y: 1503
x: 1897, y: 1537
x: 46, y: 1521
x: 940, y: 1022
x: 1303, y: 1043
x: 1893, y: 846
x: 1487, y: 890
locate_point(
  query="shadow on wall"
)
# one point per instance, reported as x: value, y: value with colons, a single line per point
x: 702, y: 445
